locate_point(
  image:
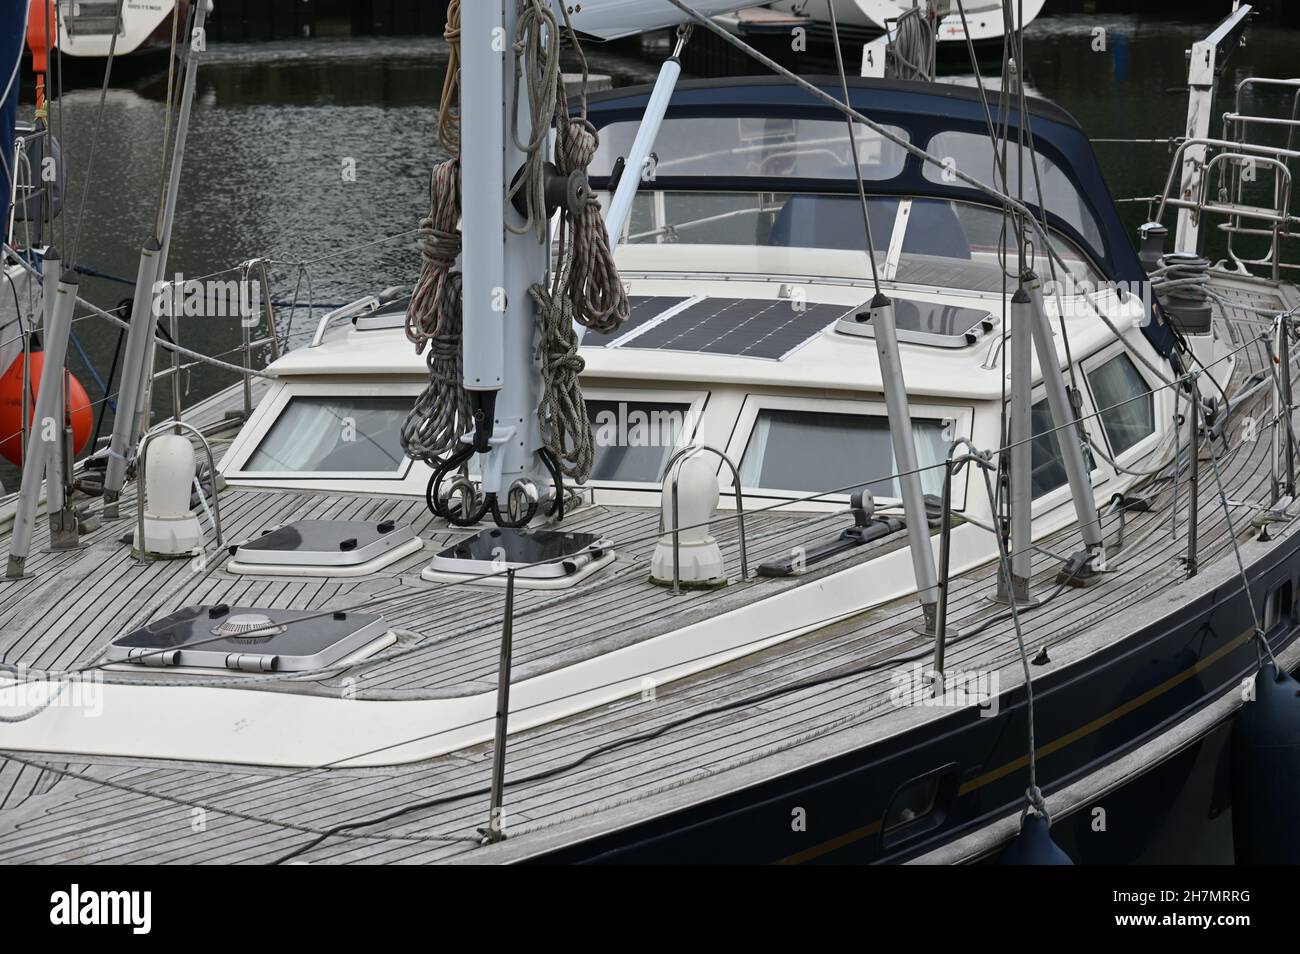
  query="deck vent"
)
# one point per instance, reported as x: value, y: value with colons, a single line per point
x: 325, y: 548
x: 543, y: 559
x: 249, y: 626
x: 926, y: 323
x: 252, y: 639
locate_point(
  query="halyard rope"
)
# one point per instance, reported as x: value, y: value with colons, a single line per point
x: 537, y: 62
x: 585, y: 287
x: 566, y: 431
x: 449, y: 106
x: 434, y: 321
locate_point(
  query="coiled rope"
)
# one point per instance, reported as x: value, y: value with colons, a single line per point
x: 434, y: 318
x: 595, y: 288
x: 449, y: 105
x: 585, y: 286
x: 911, y: 54
x: 566, y: 430
x: 586, y: 289
x: 537, y: 60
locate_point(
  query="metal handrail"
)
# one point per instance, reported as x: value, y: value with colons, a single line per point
x: 246, y: 343
x: 1264, y: 81
x: 1274, y: 152
x: 1241, y: 121
x: 1279, y: 217
x: 740, y: 510
x: 142, y: 471
x: 358, y: 307
x: 952, y: 465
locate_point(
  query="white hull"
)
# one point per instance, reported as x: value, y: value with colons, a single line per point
x: 859, y: 17
x: 86, y: 27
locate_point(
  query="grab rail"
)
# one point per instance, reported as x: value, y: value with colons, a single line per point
x: 1232, y: 154
x: 358, y: 307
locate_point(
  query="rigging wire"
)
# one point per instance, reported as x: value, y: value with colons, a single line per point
x: 853, y: 147
x: 94, y: 137
x: 345, y: 829
x: 167, y: 118
x: 415, y: 599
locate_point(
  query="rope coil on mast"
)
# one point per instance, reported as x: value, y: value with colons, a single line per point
x: 434, y: 318
x: 911, y: 54
x: 566, y: 430
x: 585, y: 287
x: 449, y: 118
x: 594, y: 286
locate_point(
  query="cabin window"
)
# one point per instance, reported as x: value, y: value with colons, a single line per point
x: 942, y: 242
x: 972, y: 154
x: 634, y: 439
x: 1277, y: 607
x: 1047, y: 470
x: 755, y: 146
x: 334, y: 435
x: 817, y: 452
x: 1125, y: 404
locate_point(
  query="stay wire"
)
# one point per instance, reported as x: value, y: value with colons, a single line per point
x: 853, y: 147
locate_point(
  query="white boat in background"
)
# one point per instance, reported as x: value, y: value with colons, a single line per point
x: 85, y: 27
x: 863, y: 19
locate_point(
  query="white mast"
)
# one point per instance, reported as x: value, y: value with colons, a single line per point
x: 498, y: 265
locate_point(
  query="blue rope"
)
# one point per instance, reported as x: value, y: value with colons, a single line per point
x: 95, y: 273
x: 85, y: 359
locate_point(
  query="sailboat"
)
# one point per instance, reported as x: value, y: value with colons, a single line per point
x: 85, y: 28
x: 862, y: 20
x: 774, y: 469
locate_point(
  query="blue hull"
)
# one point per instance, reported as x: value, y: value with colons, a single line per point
x: 1087, y: 715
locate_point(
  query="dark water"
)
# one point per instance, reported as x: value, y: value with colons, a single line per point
x: 273, y: 124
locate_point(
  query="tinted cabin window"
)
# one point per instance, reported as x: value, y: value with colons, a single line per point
x: 634, y: 439
x: 1048, y: 472
x: 816, y: 452
x: 1125, y: 403
x: 360, y: 435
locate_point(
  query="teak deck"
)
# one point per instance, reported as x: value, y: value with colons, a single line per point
x: 60, y: 808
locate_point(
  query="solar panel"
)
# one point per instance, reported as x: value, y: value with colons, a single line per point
x: 744, y: 327
x: 643, y: 308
